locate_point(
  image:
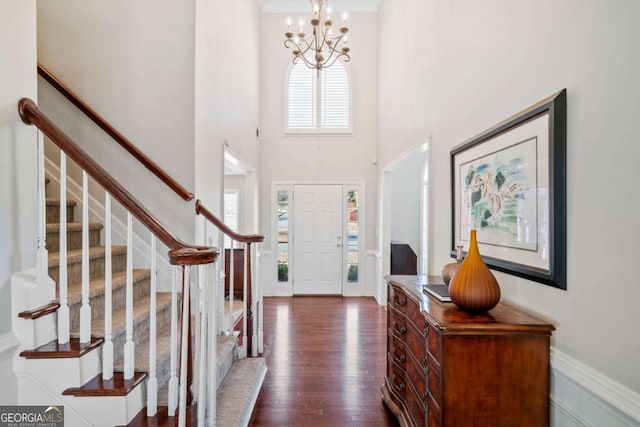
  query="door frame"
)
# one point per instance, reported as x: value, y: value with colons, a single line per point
x: 285, y: 289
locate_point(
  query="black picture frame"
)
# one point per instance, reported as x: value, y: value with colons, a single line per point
x: 543, y: 261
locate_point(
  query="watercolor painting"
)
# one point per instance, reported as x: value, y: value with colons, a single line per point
x: 499, y: 196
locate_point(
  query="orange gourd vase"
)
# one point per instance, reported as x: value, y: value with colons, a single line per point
x: 474, y: 288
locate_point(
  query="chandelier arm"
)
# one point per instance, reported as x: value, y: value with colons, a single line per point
x: 304, y: 60
x: 336, y: 58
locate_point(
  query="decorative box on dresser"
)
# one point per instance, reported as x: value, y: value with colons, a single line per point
x: 447, y: 367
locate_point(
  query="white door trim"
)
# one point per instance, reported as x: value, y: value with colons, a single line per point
x: 285, y: 289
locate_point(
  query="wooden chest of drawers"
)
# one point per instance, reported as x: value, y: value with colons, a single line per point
x: 446, y: 367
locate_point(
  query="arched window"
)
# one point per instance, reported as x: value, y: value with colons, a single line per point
x: 318, y: 102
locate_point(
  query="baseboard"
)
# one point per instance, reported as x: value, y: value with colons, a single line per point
x: 582, y: 396
x: 9, y: 343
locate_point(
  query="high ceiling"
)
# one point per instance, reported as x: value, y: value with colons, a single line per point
x: 305, y: 5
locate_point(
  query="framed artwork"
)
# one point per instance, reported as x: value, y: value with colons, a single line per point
x: 509, y: 184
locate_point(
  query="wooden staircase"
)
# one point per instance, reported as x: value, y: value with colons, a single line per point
x: 238, y: 380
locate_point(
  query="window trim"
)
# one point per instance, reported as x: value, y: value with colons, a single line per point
x: 318, y: 131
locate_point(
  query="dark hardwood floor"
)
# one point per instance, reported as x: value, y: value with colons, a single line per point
x: 326, y: 360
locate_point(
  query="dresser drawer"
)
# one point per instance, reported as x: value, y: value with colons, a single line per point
x: 398, y: 328
x: 417, y: 375
x: 416, y: 339
x: 435, y: 418
x: 396, y: 350
x: 414, y: 313
x: 396, y: 377
x: 434, y: 381
x: 398, y: 299
x: 416, y: 405
x: 434, y: 340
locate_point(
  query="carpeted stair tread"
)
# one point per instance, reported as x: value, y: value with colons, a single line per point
x: 163, y: 354
x: 118, y: 319
x: 75, y: 256
x: 226, y: 349
x: 238, y: 393
x: 73, y: 226
x: 96, y: 286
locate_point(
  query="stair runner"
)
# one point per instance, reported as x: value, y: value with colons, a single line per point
x: 239, y: 380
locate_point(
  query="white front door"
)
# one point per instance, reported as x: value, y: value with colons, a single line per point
x: 317, y: 239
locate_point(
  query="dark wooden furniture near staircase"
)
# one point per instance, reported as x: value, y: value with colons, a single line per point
x: 238, y: 274
x: 403, y: 259
x: 446, y: 367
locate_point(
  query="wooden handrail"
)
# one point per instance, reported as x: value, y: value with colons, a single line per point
x: 113, y: 133
x: 243, y: 238
x: 180, y: 253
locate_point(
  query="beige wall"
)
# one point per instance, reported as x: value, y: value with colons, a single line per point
x: 318, y: 158
x: 133, y: 62
x: 465, y: 66
x: 227, y: 91
x: 18, y: 206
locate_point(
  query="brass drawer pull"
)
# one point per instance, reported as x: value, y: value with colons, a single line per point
x: 400, y: 386
x: 400, y: 359
x: 400, y: 303
x: 401, y: 331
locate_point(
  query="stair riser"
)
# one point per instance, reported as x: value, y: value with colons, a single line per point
x: 140, y: 330
x: 96, y: 268
x: 140, y: 290
x: 74, y: 240
x: 53, y: 213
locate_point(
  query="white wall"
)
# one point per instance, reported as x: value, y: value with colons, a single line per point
x: 473, y: 64
x: 133, y: 62
x: 227, y: 91
x: 318, y: 158
x: 18, y: 206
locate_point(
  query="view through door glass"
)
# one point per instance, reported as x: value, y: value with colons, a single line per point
x: 317, y: 239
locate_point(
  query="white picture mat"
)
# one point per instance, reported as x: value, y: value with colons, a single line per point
x: 537, y: 128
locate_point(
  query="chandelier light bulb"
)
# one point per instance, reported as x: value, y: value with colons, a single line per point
x: 344, y: 18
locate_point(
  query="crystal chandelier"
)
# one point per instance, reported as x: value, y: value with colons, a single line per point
x: 321, y: 49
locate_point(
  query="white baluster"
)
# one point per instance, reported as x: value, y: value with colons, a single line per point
x: 220, y: 286
x: 260, y: 315
x: 184, y: 337
x: 255, y: 298
x: 129, y: 346
x: 231, y: 285
x: 42, y: 259
x: 213, y: 343
x: 107, y: 347
x: 196, y: 347
x: 85, y: 310
x: 173, y: 365
x: 244, y: 301
x: 202, y: 355
x: 64, y: 322
x: 152, y: 382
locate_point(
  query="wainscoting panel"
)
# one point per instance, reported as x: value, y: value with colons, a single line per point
x: 581, y: 396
